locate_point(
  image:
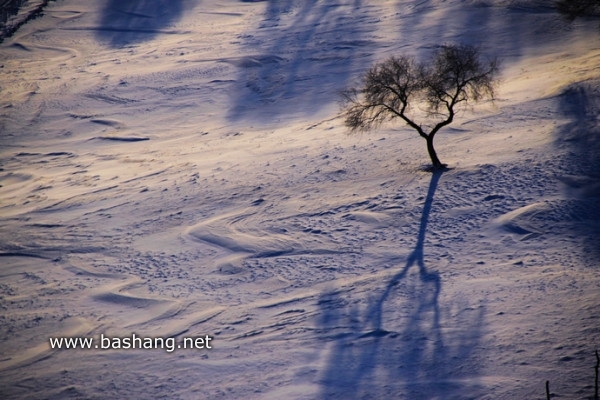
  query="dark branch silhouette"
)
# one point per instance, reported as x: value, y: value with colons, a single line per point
x: 573, y: 9
x: 395, y: 87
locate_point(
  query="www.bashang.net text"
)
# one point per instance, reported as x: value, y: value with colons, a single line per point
x: 134, y: 341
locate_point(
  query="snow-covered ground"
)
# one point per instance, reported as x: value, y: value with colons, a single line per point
x: 178, y: 169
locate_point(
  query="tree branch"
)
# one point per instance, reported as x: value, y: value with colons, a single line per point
x: 389, y: 90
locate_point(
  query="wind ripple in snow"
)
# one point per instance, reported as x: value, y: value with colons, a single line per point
x: 241, y: 238
x: 223, y: 232
x: 547, y: 217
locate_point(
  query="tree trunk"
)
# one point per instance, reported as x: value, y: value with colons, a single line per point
x: 437, y: 164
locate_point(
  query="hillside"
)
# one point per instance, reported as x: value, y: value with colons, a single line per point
x: 179, y: 169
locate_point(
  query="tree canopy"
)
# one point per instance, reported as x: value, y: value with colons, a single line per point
x: 401, y: 87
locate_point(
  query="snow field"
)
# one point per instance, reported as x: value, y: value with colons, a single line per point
x: 184, y: 172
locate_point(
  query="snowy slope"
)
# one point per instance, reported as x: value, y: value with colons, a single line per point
x: 178, y: 169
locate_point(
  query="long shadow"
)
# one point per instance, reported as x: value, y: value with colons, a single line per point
x: 581, y: 104
x: 299, y: 57
x: 304, y: 51
x: 127, y: 22
x: 417, y: 361
x: 8, y: 9
x: 416, y: 257
x: 504, y: 29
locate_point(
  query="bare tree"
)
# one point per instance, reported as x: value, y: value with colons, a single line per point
x: 399, y: 87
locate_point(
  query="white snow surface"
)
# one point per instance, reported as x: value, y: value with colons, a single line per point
x: 179, y: 169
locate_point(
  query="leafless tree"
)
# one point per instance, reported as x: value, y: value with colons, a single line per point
x: 401, y: 87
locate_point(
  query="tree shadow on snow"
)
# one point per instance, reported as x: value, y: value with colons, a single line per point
x: 299, y: 57
x: 499, y: 28
x: 305, y: 51
x: 127, y: 22
x: 426, y: 350
x: 581, y: 104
